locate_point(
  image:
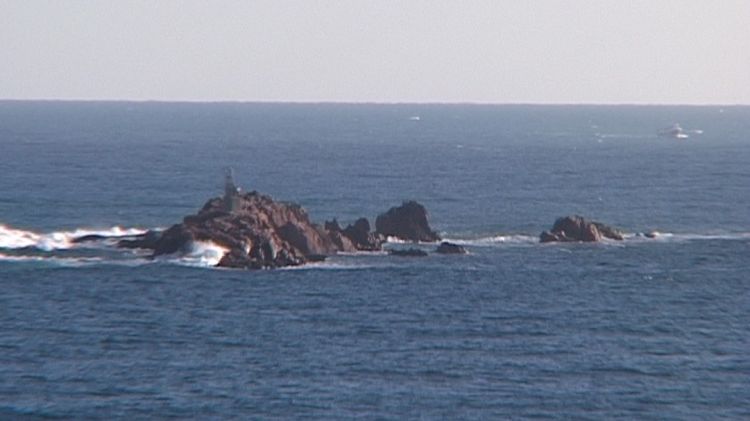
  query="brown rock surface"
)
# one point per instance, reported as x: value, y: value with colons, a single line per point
x: 576, y: 228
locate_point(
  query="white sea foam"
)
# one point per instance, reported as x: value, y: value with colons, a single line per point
x: 80, y: 261
x: 683, y: 237
x: 397, y: 240
x: 362, y: 253
x: 623, y: 136
x: 331, y: 266
x: 495, y: 240
x: 11, y: 238
x: 63, y: 261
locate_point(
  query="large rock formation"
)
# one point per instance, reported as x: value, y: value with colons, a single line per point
x: 407, y: 222
x: 258, y: 232
x: 577, y: 228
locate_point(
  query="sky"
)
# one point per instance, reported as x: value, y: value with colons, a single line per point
x: 519, y: 51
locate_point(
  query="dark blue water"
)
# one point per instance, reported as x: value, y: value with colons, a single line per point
x: 644, y: 329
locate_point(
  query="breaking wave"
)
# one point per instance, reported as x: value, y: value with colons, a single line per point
x: 66, y: 248
x: 70, y: 248
x: 12, y: 238
x: 199, y: 254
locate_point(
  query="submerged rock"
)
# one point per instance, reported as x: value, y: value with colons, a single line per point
x: 408, y: 252
x: 142, y: 241
x: 89, y: 238
x: 450, y: 248
x: 407, y: 222
x: 575, y: 228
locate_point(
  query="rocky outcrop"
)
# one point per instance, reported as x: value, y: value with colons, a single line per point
x: 450, y: 248
x: 576, y: 228
x: 357, y: 234
x: 407, y: 222
x: 337, y: 236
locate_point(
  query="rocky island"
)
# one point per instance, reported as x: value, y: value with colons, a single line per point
x: 259, y: 232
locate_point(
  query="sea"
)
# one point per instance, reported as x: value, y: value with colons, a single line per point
x: 645, y: 328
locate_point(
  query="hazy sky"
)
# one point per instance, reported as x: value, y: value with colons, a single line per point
x: 541, y: 51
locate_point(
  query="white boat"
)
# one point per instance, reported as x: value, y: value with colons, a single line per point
x: 675, y: 132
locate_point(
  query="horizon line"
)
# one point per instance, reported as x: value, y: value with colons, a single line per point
x: 354, y: 102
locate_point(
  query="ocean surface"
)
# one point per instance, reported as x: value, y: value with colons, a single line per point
x: 639, y: 329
